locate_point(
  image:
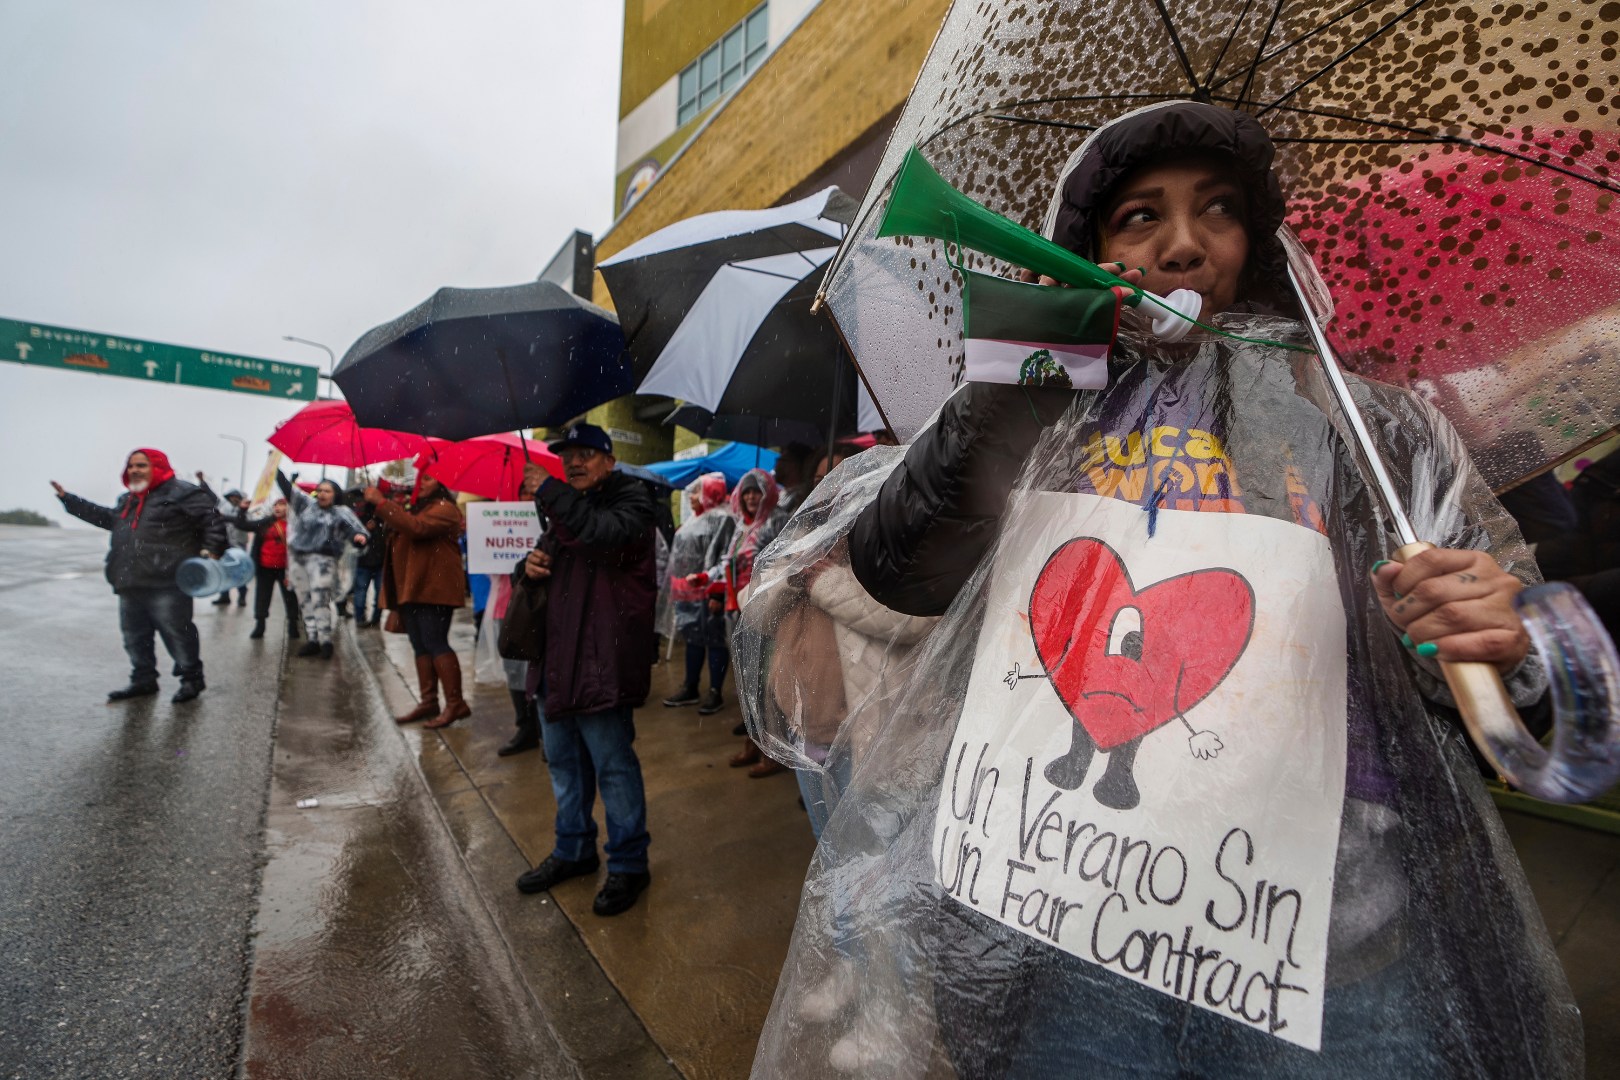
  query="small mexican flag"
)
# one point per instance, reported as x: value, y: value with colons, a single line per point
x: 1038, y: 335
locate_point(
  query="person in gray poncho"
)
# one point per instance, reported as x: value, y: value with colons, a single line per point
x: 322, y: 530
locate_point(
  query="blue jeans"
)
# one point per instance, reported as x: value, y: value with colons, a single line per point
x: 366, y: 580
x: 167, y: 613
x: 590, y: 751
x: 821, y: 790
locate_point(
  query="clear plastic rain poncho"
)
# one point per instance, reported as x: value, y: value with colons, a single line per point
x: 682, y: 606
x: 1160, y: 793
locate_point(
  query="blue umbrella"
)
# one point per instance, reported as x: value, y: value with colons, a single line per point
x: 733, y: 461
x: 470, y: 362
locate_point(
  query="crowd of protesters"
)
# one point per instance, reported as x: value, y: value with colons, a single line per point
x: 591, y: 602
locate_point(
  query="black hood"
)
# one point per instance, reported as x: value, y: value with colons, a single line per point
x: 1165, y: 132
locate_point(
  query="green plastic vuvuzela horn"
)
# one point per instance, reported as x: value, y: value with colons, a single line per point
x: 923, y: 204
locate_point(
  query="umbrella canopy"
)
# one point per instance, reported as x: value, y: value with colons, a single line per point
x: 490, y: 465
x: 760, y: 430
x: 642, y: 473
x: 1356, y: 94
x: 1487, y: 357
x: 717, y: 313
x: 327, y: 433
x: 470, y: 362
x: 733, y: 460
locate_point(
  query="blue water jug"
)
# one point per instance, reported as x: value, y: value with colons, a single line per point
x: 201, y: 577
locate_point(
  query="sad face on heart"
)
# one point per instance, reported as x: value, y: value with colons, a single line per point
x: 1125, y: 662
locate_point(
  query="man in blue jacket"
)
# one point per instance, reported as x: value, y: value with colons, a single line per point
x: 158, y: 524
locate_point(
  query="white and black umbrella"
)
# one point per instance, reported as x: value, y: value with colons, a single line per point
x: 716, y: 312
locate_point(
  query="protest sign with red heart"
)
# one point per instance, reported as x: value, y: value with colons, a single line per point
x: 1191, y: 630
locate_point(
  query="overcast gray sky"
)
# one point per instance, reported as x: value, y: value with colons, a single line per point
x: 221, y: 174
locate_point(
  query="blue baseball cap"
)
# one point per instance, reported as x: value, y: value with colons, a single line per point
x: 586, y: 435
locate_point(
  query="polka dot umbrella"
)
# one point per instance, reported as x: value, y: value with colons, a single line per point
x: 1478, y: 285
x: 1395, y: 121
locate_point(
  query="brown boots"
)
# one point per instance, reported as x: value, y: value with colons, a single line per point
x: 448, y: 667
x: 428, y: 679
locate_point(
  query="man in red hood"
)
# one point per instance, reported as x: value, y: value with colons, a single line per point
x: 156, y: 525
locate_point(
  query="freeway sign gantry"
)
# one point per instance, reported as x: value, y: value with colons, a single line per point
x: 151, y: 361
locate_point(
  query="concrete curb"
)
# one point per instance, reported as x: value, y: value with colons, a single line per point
x: 588, y: 1017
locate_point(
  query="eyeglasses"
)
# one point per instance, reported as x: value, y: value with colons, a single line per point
x: 581, y: 454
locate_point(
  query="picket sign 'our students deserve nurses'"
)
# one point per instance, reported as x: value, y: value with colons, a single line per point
x: 1149, y: 769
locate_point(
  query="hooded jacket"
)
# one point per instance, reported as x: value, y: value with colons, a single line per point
x: 601, y: 594
x: 684, y: 603
x: 153, y: 531
x: 752, y: 535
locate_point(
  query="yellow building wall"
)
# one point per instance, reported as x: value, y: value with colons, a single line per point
x: 660, y: 153
x: 847, y: 66
x: 662, y: 36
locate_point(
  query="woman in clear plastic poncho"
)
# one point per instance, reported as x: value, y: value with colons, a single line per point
x: 1166, y: 791
x: 693, y: 613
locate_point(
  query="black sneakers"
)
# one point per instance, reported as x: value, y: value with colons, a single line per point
x: 686, y: 695
x: 189, y: 690
x: 326, y: 650
x: 552, y: 871
x: 308, y: 648
x: 258, y: 629
x: 133, y: 690
x: 712, y: 703
x: 619, y: 893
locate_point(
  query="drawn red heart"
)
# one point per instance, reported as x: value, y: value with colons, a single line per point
x: 1193, y: 627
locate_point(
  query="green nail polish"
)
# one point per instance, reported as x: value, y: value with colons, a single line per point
x: 1397, y: 595
x: 1428, y: 649
x: 1379, y: 565
x: 1406, y: 639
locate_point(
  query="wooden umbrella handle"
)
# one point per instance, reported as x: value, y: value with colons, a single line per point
x: 1482, y: 698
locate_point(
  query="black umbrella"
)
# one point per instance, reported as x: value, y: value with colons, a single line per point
x: 717, y: 313
x: 755, y: 430
x: 470, y: 362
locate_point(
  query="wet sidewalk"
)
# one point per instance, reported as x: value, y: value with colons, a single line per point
x: 374, y: 953
x: 696, y: 960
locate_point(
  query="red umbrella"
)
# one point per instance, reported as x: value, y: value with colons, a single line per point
x: 326, y: 433
x: 490, y: 465
x: 1483, y: 283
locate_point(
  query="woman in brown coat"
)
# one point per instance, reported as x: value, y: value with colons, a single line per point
x: 423, y: 581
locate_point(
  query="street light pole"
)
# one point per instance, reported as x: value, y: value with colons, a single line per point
x: 331, y: 365
x: 331, y: 357
x: 241, y: 476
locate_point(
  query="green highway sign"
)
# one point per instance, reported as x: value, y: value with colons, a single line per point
x: 151, y: 361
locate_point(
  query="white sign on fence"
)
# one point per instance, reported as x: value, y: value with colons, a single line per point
x: 500, y: 535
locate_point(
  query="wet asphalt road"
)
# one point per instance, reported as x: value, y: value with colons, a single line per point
x: 130, y: 834
x: 166, y: 910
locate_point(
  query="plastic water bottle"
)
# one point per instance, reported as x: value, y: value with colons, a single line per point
x: 201, y: 577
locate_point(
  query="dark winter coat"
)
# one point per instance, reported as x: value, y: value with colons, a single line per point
x: 603, y: 590
x: 376, y: 549
x: 177, y: 521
